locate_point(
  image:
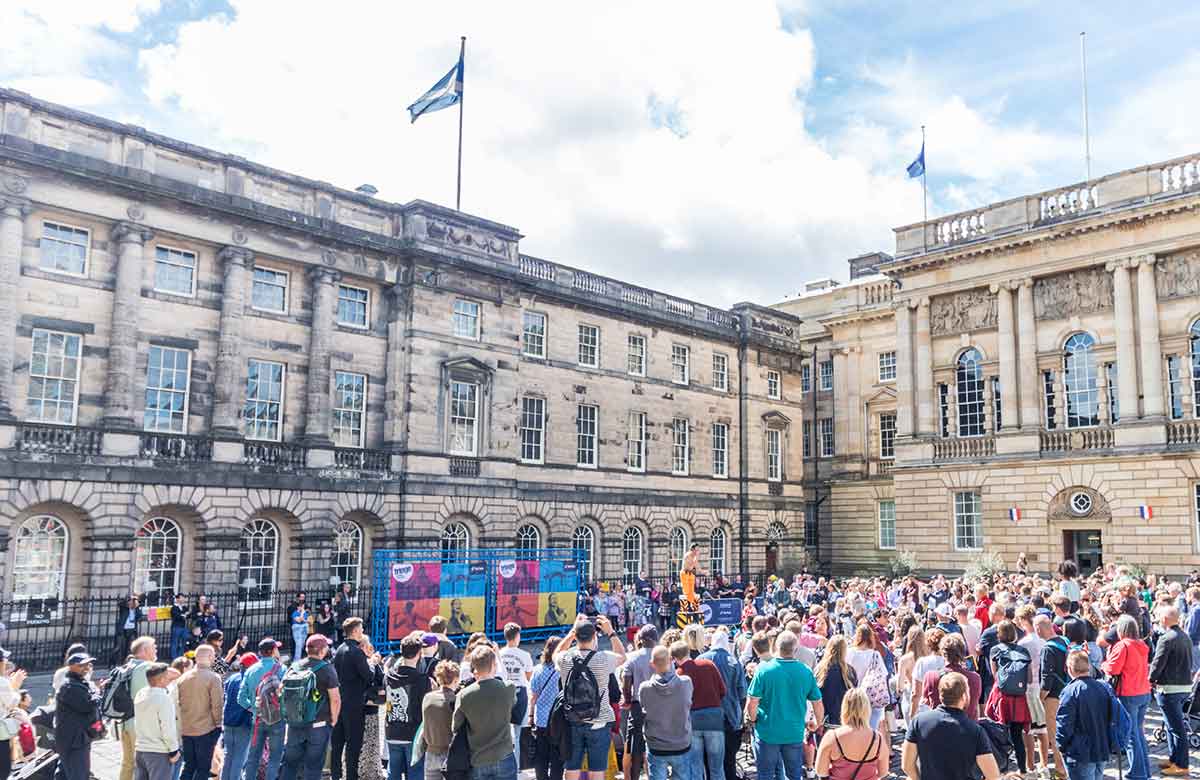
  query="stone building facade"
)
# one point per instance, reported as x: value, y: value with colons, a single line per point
x: 214, y: 374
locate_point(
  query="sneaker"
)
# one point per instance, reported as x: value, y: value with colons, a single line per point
x: 1165, y: 764
x: 1174, y: 771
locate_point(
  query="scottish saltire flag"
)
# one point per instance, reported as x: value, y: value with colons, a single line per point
x: 443, y: 94
x: 917, y: 167
x: 1145, y: 512
x: 1014, y: 514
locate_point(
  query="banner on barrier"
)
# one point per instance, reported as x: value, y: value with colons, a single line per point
x: 721, y: 612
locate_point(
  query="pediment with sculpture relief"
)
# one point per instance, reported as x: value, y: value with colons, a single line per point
x: 1178, y: 275
x: 962, y: 312
x: 1079, y: 503
x: 1082, y: 291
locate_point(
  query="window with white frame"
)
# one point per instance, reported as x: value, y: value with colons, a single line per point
x: 720, y: 372
x: 680, y: 446
x: 455, y: 541
x: 887, y: 435
x: 174, y: 271
x: 167, y: 377
x: 64, y: 249
x: 529, y: 539
x: 53, y: 395
x: 806, y: 435
x: 631, y: 554
x: 1174, y: 387
x: 533, y: 334
x: 586, y: 418
x: 677, y: 547
x: 349, y: 409
x: 533, y: 429
x: 826, y: 367
x: 968, y: 521
x: 466, y: 319
x: 825, y: 425
x: 774, y: 455
x: 270, y: 290
x: 263, y: 413
x: 636, y: 454
x: 717, y: 542
x: 680, y: 358
x: 464, y: 417
x: 637, y: 355
x: 720, y: 450
x: 156, y: 550
x: 353, y: 306
x: 39, y: 568
x: 583, y: 541
x: 1079, y: 381
x: 887, y: 366
x: 346, y: 563
x: 887, y: 524
x: 589, y: 346
x: 805, y: 378
x: 969, y: 400
x: 773, y: 384
x: 258, y: 555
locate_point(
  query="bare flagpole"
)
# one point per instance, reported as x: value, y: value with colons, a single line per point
x: 462, y: 54
x: 924, y: 194
x: 1087, y: 144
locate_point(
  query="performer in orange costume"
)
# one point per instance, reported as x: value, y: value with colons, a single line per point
x: 687, y: 578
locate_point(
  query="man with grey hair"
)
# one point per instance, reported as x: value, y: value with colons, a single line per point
x: 1170, y: 673
x: 777, y: 709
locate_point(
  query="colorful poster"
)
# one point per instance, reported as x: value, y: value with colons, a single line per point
x: 463, y: 588
x: 464, y: 613
x: 408, y: 615
x: 558, y: 582
x: 416, y: 581
x: 518, y: 578
x: 556, y: 609
x: 463, y: 579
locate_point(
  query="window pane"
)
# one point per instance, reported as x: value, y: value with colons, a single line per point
x: 887, y: 524
x: 680, y: 444
x: 466, y: 319
x: 352, y: 306
x: 637, y: 441
x: 631, y: 554
x: 53, y: 378
x: 269, y: 291
x: 63, y: 248
x: 720, y: 447
x: 1080, y: 382
x: 637, y: 355
x: 174, y: 271
x: 463, y: 412
x: 887, y: 366
x: 969, y: 377
x: 585, y: 435
x: 679, y: 364
x: 720, y: 372
x: 533, y: 334
x: 156, y: 550
x: 263, y: 412
x: 584, y: 542
x: 167, y: 377
x: 533, y: 421
x: 887, y: 435
x: 589, y: 346
x: 349, y: 409
x: 256, y: 561
x: 40, y: 559
x: 968, y: 530
x: 346, y: 562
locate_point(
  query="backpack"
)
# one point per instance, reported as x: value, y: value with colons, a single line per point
x: 299, y: 695
x: 267, y: 698
x: 875, y: 683
x: 1000, y: 741
x: 116, y: 702
x: 1012, y: 671
x: 581, y: 692
x: 1120, y: 725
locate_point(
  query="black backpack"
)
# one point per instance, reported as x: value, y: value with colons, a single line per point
x: 1012, y: 670
x: 116, y: 702
x: 581, y: 692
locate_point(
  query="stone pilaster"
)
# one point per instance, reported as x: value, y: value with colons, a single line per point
x: 924, y: 368
x: 1008, y: 357
x: 1185, y: 386
x: 395, y: 372
x: 13, y: 211
x: 229, y: 384
x: 841, y: 412
x: 1149, y: 346
x: 1127, y: 389
x: 120, y: 437
x: 904, y: 372
x: 1029, y: 378
x: 317, y: 421
x: 854, y: 421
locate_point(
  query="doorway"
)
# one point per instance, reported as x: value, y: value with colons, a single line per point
x: 772, y: 557
x: 1085, y: 548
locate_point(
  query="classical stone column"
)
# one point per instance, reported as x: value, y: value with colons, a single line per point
x: 1127, y: 390
x: 130, y: 238
x: 1008, y: 357
x: 1029, y: 380
x: 904, y: 371
x: 317, y: 422
x: 230, y: 385
x: 395, y: 373
x: 1149, y: 346
x: 924, y: 379
x: 12, y: 235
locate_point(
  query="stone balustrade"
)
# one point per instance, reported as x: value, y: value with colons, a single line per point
x: 359, y: 459
x: 34, y: 438
x: 1067, y: 202
x: 967, y: 448
x: 175, y: 447
x: 877, y: 292
x: 1180, y: 175
x: 1183, y: 433
x: 275, y: 454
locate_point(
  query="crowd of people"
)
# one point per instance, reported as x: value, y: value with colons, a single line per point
x: 1014, y: 673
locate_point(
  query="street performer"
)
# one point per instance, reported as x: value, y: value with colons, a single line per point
x: 687, y: 579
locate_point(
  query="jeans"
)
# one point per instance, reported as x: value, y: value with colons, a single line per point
x: 770, y: 757
x: 179, y: 636
x: 299, y: 636
x: 270, y: 737
x: 305, y: 752
x: 1138, y: 753
x: 1082, y: 771
x: 712, y: 744
x: 876, y: 716
x: 590, y: 742
x: 152, y: 766
x: 1177, y: 733
x: 733, y: 743
x: 656, y: 766
x: 347, y: 736
x: 400, y: 762
x: 237, y: 745
x: 547, y: 763
x: 504, y: 769
x: 198, y: 755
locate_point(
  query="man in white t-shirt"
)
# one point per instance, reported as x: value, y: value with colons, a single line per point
x: 516, y: 667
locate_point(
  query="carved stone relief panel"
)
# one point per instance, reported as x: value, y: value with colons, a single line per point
x: 962, y: 312
x: 1064, y: 295
x: 1178, y: 275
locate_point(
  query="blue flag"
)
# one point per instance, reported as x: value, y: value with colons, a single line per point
x: 917, y: 167
x: 443, y: 94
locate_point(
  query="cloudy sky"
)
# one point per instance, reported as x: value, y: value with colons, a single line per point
x: 722, y: 151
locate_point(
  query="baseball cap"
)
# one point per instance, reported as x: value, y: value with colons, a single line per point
x: 247, y: 660
x: 429, y: 640
x: 77, y: 659
x: 944, y: 609
x: 267, y: 646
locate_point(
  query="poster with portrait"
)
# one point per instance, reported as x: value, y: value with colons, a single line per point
x: 558, y: 583
x: 413, y: 598
x: 517, y: 589
x: 462, y: 596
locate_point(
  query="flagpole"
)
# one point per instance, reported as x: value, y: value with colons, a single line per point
x: 462, y: 54
x: 1087, y: 143
x: 924, y: 194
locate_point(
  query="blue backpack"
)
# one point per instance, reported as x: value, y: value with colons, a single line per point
x: 1120, y: 725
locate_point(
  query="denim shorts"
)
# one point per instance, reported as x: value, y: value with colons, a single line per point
x: 593, y: 743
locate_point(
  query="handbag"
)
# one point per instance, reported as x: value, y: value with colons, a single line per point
x: 876, y: 685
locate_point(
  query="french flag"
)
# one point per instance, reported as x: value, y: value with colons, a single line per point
x: 1014, y: 514
x: 1145, y: 512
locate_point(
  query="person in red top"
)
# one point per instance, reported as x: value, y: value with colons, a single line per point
x: 954, y: 650
x: 708, y: 719
x: 982, y: 605
x: 1128, y: 658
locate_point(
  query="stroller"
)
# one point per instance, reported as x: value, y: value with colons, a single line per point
x: 43, y: 763
x: 1191, y: 717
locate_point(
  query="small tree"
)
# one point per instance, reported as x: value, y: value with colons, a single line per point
x: 903, y: 563
x: 984, y: 565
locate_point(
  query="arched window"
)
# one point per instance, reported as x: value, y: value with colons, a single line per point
x: 676, y: 549
x: 1194, y: 334
x: 156, y: 560
x: 969, y: 379
x: 40, y: 558
x: 1079, y: 381
x: 346, y: 564
x: 456, y: 538
x: 583, y: 540
x: 631, y: 554
x: 776, y: 532
x: 716, y: 551
x: 257, y: 559
x: 529, y: 539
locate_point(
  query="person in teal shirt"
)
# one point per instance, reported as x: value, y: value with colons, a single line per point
x: 777, y: 705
